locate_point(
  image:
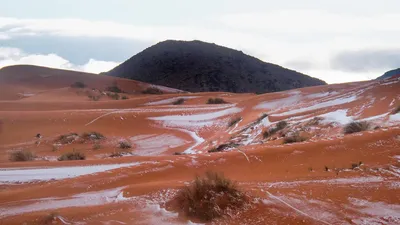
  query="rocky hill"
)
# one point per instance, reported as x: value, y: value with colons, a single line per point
x: 389, y: 74
x: 197, y: 66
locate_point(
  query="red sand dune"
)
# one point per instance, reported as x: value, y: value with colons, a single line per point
x: 310, y: 182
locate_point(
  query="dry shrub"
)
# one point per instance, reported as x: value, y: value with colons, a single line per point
x: 78, y: 84
x: 92, y: 136
x: 263, y: 116
x: 356, y: 126
x: 49, y: 219
x: 223, y: 147
x: 72, y: 156
x: 114, y: 96
x: 68, y: 138
x: 210, y: 197
x: 234, y: 121
x: 96, y: 146
x: 216, y: 101
x: 124, y: 144
x: 293, y: 138
x: 152, y: 91
x: 124, y: 97
x: 396, y: 110
x: 279, y: 126
x: 22, y: 156
x: 179, y: 101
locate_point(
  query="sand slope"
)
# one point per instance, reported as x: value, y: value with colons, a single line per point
x: 312, y: 182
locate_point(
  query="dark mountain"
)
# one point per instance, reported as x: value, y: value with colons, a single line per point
x: 197, y: 66
x: 389, y: 74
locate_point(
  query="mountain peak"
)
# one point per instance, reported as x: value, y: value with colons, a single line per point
x: 198, y: 66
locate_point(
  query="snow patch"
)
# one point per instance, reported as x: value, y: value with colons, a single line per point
x: 338, y: 116
x: 45, y: 174
x: 155, y: 144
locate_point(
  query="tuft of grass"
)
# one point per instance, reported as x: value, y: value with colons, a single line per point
x: 396, y: 110
x: 263, y: 116
x: 68, y: 138
x: 124, y: 144
x: 216, y: 101
x: 179, y: 101
x: 114, y: 96
x: 54, y: 148
x: 279, y: 126
x: 92, y: 136
x: 210, y: 197
x: 354, y: 166
x: 356, y: 126
x: 178, y: 153
x: 152, y: 91
x: 326, y: 169
x: 96, y: 146
x: 234, y: 121
x: 223, y: 147
x: 114, y: 88
x: 293, y: 138
x: 78, y: 84
x: 74, y: 155
x: 94, y: 97
x: 22, y: 156
x: 124, y: 97
x: 49, y: 219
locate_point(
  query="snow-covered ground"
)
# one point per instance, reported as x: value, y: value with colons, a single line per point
x: 45, y: 174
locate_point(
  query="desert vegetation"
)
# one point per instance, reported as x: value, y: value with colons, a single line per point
x: 216, y: 101
x: 293, y: 138
x: 356, y: 126
x: 396, y: 110
x: 21, y: 156
x: 234, y: 121
x: 179, y: 101
x: 223, y: 147
x: 152, y: 91
x: 114, y: 88
x: 124, y: 144
x: 210, y: 197
x: 78, y: 84
x: 93, y: 135
x: 124, y: 97
x: 279, y: 126
x: 74, y: 155
x: 67, y: 138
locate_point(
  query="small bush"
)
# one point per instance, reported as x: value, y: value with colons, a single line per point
x: 295, y: 137
x: 49, y: 219
x: 263, y: 116
x: 114, y: 96
x: 396, y: 110
x: 152, y: 91
x: 125, y: 144
x: 72, y: 156
x: 22, y: 156
x: 94, y: 97
x: 124, y: 97
x: 356, y: 126
x: 210, y: 197
x: 78, y: 84
x: 68, y: 138
x: 216, y: 101
x: 114, y: 88
x: 279, y: 126
x: 234, y: 121
x: 178, y: 153
x: 116, y: 154
x: 223, y: 147
x: 92, y: 136
x: 179, y: 101
x: 96, y: 146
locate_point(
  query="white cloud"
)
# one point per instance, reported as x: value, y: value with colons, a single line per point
x: 14, y: 56
x: 278, y: 36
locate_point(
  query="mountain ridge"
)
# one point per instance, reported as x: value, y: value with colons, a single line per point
x: 198, y: 66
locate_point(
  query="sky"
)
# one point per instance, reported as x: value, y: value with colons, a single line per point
x: 336, y: 41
